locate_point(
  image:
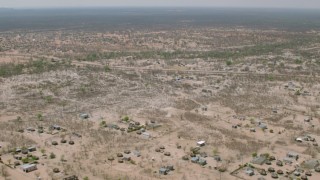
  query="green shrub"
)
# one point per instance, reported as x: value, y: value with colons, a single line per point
x: 254, y: 154
x: 229, y: 63
x: 52, y: 155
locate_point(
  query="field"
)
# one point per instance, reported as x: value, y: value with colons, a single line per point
x: 131, y: 93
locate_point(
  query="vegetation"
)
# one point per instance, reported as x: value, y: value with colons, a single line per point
x: 31, y: 67
x: 52, y: 155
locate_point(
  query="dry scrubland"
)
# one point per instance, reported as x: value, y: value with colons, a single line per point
x: 123, y: 104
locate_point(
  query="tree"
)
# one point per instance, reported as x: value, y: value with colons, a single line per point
x: 52, y: 155
x: 40, y: 117
x: 254, y: 154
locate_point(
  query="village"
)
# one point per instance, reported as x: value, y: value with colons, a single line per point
x: 187, y: 103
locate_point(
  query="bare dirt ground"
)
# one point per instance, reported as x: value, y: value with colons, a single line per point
x: 123, y: 105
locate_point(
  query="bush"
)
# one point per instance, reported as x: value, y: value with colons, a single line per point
x: 254, y: 154
x: 25, y: 160
x: 106, y: 68
x: 125, y: 118
x: 52, y: 156
x: 229, y: 63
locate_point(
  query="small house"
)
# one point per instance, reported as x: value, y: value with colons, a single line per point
x: 28, y: 167
x: 287, y: 160
x: 217, y: 158
x: 170, y: 167
x: 71, y: 178
x: 195, y: 159
x: 31, y: 149
x: 136, y: 153
x: 56, y: 127
x: 31, y: 129
x: 84, y: 116
x: 259, y: 160
x: 263, y: 125
x: 163, y: 171
x: 18, y: 150
x: 202, y: 161
x: 17, y: 157
x: 249, y: 171
x: 293, y: 155
x: 146, y: 135
x: 299, y: 139
x: 201, y: 143
x: 204, y: 108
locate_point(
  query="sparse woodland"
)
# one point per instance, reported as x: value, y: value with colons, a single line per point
x: 180, y: 86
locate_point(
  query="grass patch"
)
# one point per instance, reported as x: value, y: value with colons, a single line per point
x: 31, y: 67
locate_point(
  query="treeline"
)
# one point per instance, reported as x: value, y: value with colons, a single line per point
x: 260, y: 49
x: 31, y: 67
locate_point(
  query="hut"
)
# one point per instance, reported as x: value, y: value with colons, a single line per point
x: 31, y: 149
x: 84, y: 116
x: 249, y: 171
x: 195, y: 159
x: 163, y: 171
x: 145, y: 135
x: 201, y: 143
x: 259, y: 160
x: 202, y: 161
x: 293, y: 155
x: 56, y: 127
x: 71, y: 178
x: 28, y: 167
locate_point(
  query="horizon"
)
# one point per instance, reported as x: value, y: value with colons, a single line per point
x: 160, y: 7
x: 282, y: 4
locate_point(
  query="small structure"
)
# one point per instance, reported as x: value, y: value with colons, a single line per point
x: 202, y: 161
x: 56, y: 127
x: 71, y: 178
x: 163, y: 171
x: 84, y: 116
x: 249, y: 171
x: 31, y: 149
x: 293, y: 155
x: 217, y: 158
x: 31, y: 129
x: 136, y: 153
x: 76, y: 134
x: 259, y: 160
x: 263, y: 125
x: 146, y: 135
x: 199, y: 160
x: 307, y: 119
x: 204, y: 108
x: 17, y: 157
x: 299, y: 139
x: 18, y: 150
x: 201, y: 143
x: 170, y: 167
x: 287, y: 160
x: 195, y: 159
x: 28, y: 167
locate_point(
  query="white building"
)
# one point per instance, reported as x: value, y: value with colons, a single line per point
x: 28, y: 167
